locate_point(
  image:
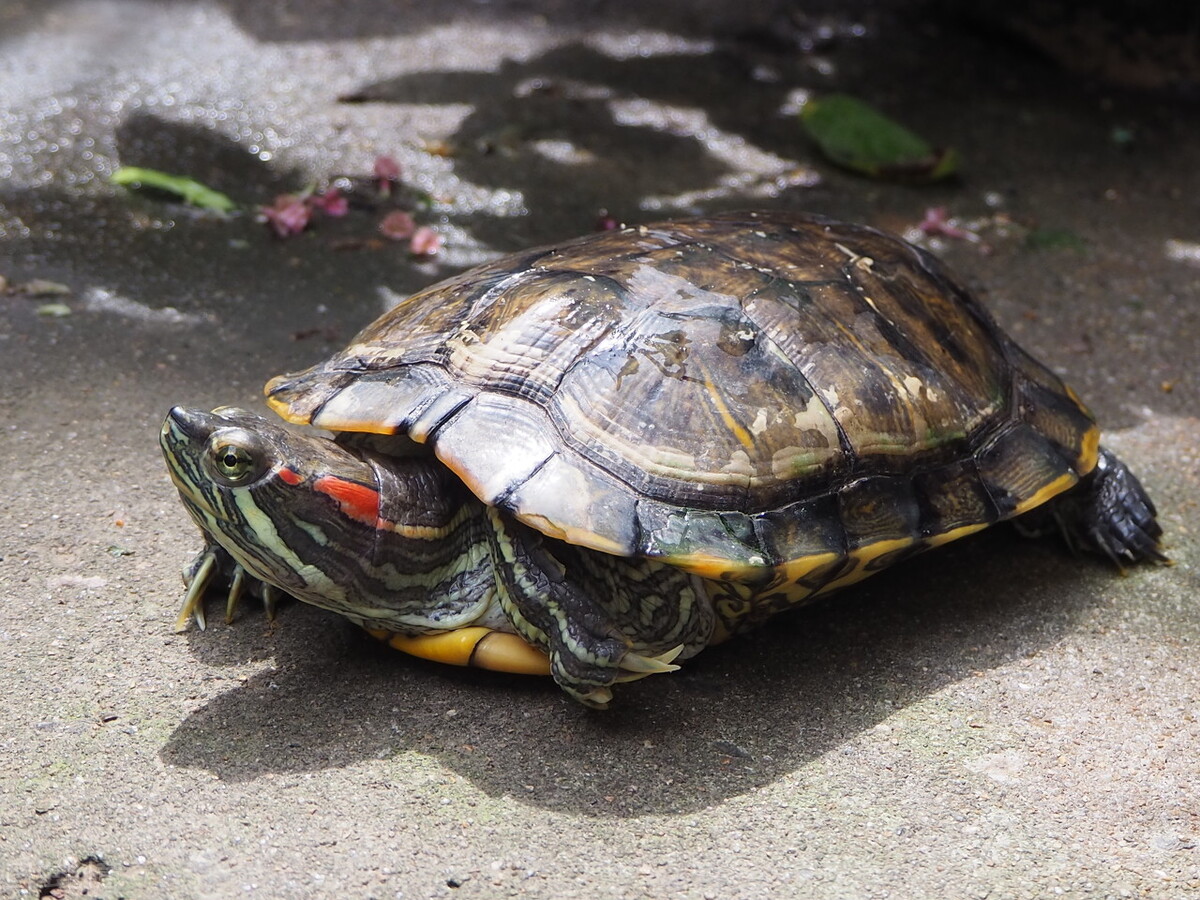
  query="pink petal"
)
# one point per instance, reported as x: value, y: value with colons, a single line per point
x: 387, y: 168
x: 387, y: 173
x: 937, y: 222
x: 332, y: 202
x: 397, y: 225
x: 287, y: 216
x: 425, y: 242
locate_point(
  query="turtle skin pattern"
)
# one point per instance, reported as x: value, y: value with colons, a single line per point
x: 780, y: 404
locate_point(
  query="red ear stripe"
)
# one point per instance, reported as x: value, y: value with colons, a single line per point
x: 358, y: 501
x: 289, y: 476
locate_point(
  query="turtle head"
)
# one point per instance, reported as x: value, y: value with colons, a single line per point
x: 256, y: 489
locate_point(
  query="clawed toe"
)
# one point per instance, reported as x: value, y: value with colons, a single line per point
x: 634, y: 665
x: 210, y: 567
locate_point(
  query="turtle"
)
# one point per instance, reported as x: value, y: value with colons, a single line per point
x: 593, y: 459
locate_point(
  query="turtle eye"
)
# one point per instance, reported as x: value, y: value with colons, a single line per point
x: 234, y: 462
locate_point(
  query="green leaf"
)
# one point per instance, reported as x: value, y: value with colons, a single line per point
x: 855, y: 135
x: 186, y: 189
x: 54, y: 310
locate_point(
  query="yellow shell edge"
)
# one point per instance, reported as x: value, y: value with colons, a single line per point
x: 477, y: 646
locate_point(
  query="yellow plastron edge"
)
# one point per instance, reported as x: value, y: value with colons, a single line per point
x: 481, y: 647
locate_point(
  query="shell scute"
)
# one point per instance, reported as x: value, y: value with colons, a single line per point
x: 660, y: 403
x: 1021, y: 468
x: 494, y: 469
x: 723, y: 546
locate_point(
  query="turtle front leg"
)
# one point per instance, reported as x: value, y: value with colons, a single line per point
x: 215, y: 566
x: 587, y: 651
x: 1109, y: 513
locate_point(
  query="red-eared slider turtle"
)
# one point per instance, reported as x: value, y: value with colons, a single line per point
x: 595, y: 458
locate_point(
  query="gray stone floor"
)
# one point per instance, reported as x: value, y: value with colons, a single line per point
x: 997, y: 719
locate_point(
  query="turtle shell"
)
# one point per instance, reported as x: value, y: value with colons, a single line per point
x: 752, y: 397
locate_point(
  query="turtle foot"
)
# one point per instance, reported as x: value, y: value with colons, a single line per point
x: 214, y: 566
x: 631, y: 667
x: 1109, y: 513
x: 1120, y: 519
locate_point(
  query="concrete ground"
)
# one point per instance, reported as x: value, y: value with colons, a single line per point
x: 997, y: 719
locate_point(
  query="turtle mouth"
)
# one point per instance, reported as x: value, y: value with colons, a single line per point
x: 182, y: 439
x: 190, y: 423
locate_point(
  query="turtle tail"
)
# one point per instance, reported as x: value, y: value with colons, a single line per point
x: 1109, y: 513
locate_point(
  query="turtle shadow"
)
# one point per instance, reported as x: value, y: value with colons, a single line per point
x: 736, y: 718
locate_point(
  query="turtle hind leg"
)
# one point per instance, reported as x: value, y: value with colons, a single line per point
x: 1109, y: 513
x: 587, y: 648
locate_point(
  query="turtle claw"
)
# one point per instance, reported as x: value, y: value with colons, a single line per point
x: 269, y: 593
x: 196, y: 577
x: 596, y: 698
x: 635, y: 665
x: 213, y: 565
x: 270, y: 598
x: 235, y: 593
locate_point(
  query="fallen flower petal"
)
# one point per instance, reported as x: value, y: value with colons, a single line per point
x: 287, y: 216
x: 387, y: 173
x: 425, y: 242
x: 397, y: 225
x: 331, y: 202
x: 937, y: 222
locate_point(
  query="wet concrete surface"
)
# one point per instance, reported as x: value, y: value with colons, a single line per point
x: 996, y: 719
